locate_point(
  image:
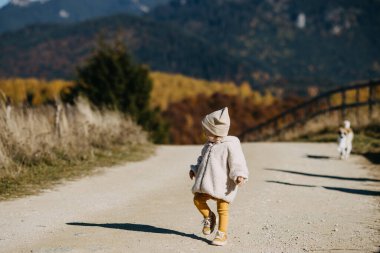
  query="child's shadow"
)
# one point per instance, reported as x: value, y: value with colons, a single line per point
x: 139, y: 228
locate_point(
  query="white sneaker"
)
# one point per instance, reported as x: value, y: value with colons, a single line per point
x: 220, y: 239
x: 209, y: 224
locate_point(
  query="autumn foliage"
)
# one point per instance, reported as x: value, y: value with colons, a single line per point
x: 33, y: 91
x: 173, y: 88
x: 185, y: 116
x: 183, y: 102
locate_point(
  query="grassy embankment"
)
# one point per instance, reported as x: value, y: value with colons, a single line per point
x: 36, y: 154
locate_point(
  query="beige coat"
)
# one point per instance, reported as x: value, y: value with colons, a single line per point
x: 218, y: 168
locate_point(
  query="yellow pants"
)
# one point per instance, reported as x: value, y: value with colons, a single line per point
x: 222, y: 207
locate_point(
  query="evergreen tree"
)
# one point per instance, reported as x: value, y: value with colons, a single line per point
x: 110, y: 79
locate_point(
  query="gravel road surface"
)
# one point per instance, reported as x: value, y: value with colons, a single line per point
x: 299, y: 198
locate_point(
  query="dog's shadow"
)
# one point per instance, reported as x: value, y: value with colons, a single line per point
x: 139, y: 228
x: 320, y: 157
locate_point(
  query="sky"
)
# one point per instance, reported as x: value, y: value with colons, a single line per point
x: 3, y: 2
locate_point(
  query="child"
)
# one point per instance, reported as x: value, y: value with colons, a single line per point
x: 219, y: 170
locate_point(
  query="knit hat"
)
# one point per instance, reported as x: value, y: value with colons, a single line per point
x: 218, y: 122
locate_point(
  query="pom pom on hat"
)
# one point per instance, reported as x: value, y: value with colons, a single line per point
x: 218, y: 122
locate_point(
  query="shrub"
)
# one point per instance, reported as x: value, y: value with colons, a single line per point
x: 110, y: 79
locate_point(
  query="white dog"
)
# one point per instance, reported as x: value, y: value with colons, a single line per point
x: 346, y: 136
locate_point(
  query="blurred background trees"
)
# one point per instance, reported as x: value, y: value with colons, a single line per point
x: 110, y: 79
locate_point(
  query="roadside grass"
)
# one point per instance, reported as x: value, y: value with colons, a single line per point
x: 44, y: 176
x: 40, y: 148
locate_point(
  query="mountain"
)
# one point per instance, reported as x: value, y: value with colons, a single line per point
x: 53, y: 51
x: 288, y: 44
x: 314, y: 41
x: 21, y: 13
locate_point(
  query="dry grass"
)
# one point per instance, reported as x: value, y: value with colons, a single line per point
x: 35, y: 153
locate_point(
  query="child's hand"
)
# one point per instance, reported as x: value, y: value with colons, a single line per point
x: 191, y: 174
x: 240, y: 181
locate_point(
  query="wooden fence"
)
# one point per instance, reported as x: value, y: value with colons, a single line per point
x: 321, y: 104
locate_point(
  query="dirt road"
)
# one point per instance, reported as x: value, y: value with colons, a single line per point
x: 299, y: 198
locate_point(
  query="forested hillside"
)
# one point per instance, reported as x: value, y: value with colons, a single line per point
x: 315, y: 41
x: 286, y: 45
x: 53, y: 51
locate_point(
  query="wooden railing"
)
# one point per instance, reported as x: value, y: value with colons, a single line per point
x: 318, y: 105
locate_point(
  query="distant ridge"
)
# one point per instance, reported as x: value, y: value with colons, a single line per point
x: 53, y: 51
x: 283, y: 44
x: 23, y: 13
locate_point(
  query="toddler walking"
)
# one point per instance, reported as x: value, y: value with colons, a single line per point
x: 219, y: 170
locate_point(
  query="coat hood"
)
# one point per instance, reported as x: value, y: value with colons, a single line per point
x: 230, y: 138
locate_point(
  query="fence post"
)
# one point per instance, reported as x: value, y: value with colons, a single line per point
x: 343, y: 106
x: 357, y: 100
x: 317, y: 106
x: 328, y: 103
x: 370, y: 99
x: 283, y: 126
x: 304, y: 113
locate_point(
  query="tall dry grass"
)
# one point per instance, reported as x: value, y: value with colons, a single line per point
x: 29, y: 137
